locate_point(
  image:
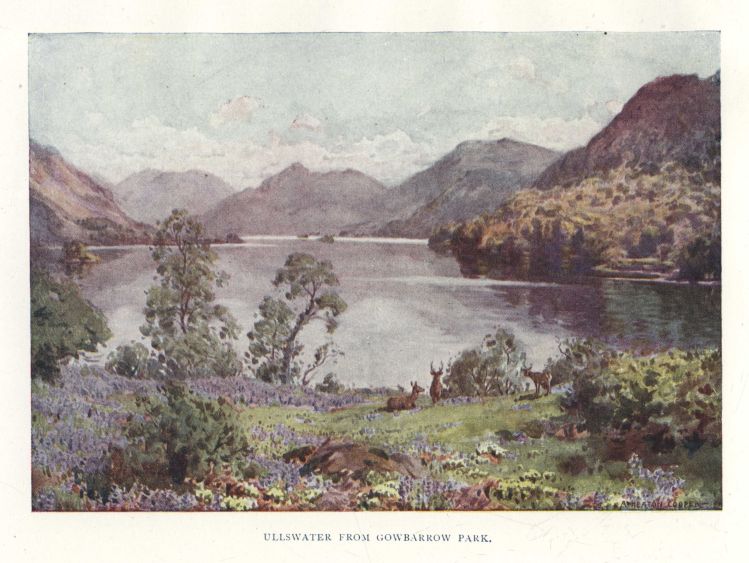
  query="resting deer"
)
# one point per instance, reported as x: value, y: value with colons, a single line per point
x: 404, y: 402
x: 435, y: 390
x: 541, y: 379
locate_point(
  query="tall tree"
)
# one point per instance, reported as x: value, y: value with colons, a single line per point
x: 190, y: 333
x: 275, y: 348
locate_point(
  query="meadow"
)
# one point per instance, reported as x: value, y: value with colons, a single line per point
x: 513, y: 452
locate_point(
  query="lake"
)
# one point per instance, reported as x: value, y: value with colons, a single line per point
x: 409, y: 306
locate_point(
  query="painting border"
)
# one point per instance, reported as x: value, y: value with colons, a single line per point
x: 233, y: 537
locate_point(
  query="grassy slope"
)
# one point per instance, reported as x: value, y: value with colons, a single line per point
x: 462, y: 427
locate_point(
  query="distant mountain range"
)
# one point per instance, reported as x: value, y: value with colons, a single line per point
x: 150, y: 195
x: 67, y: 204
x: 298, y: 201
x: 670, y: 128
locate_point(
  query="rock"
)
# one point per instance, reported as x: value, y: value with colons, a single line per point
x: 299, y: 454
x: 348, y: 459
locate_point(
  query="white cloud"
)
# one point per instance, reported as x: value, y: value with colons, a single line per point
x: 149, y: 143
x: 522, y: 68
x: 554, y: 133
x: 614, y: 106
x: 238, y: 109
x: 306, y: 121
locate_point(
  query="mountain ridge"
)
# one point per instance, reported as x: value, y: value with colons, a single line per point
x: 65, y: 203
x: 150, y: 194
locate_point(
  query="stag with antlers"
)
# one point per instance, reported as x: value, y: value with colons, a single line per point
x: 435, y: 389
x: 404, y: 402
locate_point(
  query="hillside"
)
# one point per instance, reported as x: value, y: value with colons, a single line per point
x: 150, y: 195
x: 671, y: 119
x: 67, y: 204
x: 641, y: 199
x: 298, y: 201
x: 474, y: 177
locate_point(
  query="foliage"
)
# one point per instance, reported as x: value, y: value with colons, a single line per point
x: 274, y: 349
x: 185, y: 435
x: 76, y: 251
x: 189, y: 333
x: 580, y: 357
x: 701, y: 259
x: 623, y: 221
x: 673, y: 398
x: 330, y: 384
x: 492, y: 369
x: 131, y: 360
x: 63, y: 324
x: 471, y: 452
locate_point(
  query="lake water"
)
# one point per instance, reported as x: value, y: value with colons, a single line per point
x: 409, y: 306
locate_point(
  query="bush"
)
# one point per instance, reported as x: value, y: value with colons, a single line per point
x: 330, y: 384
x: 129, y: 360
x: 63, y: 324
x: 493, y: 369
x: 672, y: 398
x: 184, y: 436
x: 580, y: 357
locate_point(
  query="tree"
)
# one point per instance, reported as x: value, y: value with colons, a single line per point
x: 274, y: 347
x: 63, y: 324
x: 492, y: 369
x: 701, y: 259
x: 189, y: 332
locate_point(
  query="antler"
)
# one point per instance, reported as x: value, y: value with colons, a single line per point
x: 575, y: 364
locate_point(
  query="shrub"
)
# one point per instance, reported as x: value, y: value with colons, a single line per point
x: 492, y: 369
x: 580, y: 357
x: 670, y: 398
x: 330, y: 384
x: 129, y: 360
x: 184, y: 436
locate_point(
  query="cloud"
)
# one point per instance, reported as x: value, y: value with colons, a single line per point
x: 522, y: 68
x: 554, y: 133
x: 116, y: 153
x: 614, y: 106
x: 236, y: 110
x: 306, y: 121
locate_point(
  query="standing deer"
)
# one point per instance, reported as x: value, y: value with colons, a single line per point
x: 404, y: 402
x: 541, y: 379
x: 435, y: 390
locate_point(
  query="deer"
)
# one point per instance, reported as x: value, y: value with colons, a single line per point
x: 404, y: 402
x: 541, y: 379
x: 435, y: 389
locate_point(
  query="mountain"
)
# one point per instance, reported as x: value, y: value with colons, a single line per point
x: 298, y: 201
x: 66, y: 204
x: 671, y: 119
x: 641, y: 199
x: 150, y: 195
x: 475, y: 177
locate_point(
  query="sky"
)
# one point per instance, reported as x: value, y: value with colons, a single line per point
x: 246, y: 106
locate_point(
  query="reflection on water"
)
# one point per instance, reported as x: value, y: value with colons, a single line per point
x: 409, y: 306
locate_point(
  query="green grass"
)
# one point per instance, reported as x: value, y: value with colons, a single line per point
x: 577, y: 467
